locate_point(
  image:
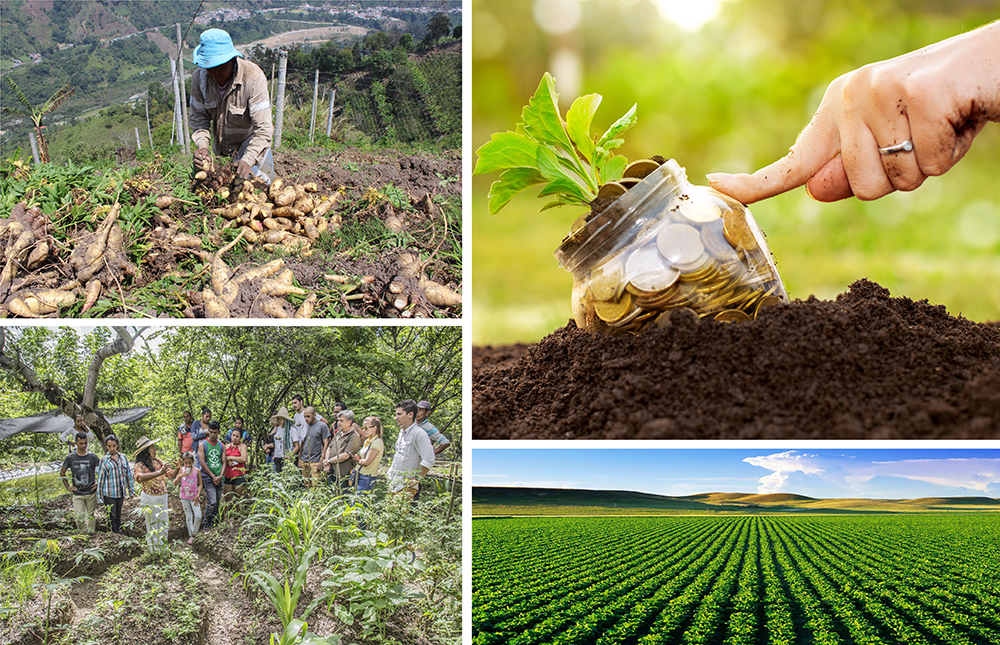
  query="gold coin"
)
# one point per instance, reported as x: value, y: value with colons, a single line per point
x: 704, y: 274
x: 605, y: 280
x: 680, y: 244
x: 628, y: 182
x: 731, y: 315
x: 629, y: 316
x: 610, y: 190
x: 737, y: 231
x: 766, y: 301
x: 700, y: 211
x: 613, y: 310
x: 640, y: 168
x: 668, y: 298
x: 713, y: 236
x: 578, y: 225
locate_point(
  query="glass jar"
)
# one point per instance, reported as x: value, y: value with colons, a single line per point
x: 665, y: 244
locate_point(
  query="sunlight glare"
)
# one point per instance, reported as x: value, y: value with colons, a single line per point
x: 687, y: 15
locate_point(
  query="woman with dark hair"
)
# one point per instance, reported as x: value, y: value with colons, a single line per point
x: 151, y: 474
x: 114, y: 479
x: 235, y: 469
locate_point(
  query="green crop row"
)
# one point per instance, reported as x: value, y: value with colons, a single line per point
x: 751, y: 580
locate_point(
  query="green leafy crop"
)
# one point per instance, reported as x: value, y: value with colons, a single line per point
x: 563, y: 155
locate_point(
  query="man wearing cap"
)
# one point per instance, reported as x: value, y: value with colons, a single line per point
x: 438, y: 440
x: 230, y: 93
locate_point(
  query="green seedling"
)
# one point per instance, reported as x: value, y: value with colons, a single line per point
x: 563, y: 155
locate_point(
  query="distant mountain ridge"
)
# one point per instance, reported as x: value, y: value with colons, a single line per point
x: 522, y: 500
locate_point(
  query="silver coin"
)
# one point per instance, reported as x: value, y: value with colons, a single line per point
x: 680, y: 244
x: 700, y: 210
x: 646, y: 269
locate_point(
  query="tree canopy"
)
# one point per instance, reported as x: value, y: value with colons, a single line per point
x: 245, y: 371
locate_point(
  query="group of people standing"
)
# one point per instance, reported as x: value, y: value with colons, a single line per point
x: 347, y: 457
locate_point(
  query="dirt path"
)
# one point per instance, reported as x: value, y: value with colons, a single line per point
x: 229, y: 618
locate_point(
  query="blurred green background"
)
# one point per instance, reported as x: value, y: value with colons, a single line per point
x: 730, y: 96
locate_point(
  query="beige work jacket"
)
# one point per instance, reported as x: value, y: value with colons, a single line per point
x: 243, y: 112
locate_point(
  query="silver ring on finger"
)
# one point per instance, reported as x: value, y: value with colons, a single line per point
x: 904, y: 146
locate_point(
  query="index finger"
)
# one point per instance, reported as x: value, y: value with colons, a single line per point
x: 814, y: 148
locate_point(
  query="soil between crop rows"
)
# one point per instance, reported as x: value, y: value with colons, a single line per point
x: 864, y: 366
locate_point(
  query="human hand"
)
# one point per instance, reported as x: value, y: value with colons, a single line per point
x: 73, y: 489
x: 201, y: 156
x: 242, y: 169
x: 939, y: 98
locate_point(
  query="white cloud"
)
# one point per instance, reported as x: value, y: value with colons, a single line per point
x: 783, y: 464
x: 973, y: 474
x: 791, y: 470
x: 773, y: 483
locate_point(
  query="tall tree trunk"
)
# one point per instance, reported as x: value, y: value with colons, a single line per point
x: 55, y: 395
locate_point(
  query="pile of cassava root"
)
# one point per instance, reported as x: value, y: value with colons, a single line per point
x: 289, y: 216
x: 97, y: 261
x: 44, y: 271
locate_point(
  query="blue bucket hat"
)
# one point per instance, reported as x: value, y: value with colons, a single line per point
x: 215, y: 49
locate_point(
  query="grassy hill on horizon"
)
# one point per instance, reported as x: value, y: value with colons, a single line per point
x: 496, y: 500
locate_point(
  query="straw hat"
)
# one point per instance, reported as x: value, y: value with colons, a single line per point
x: 215, y: 49
x: 142, y: 443
x: 282, y: 414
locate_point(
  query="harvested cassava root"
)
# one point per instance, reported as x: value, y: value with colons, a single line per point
x: 265, y: 283
x: 411, y: 290
x: 97, y: 260
x: 290, y: 217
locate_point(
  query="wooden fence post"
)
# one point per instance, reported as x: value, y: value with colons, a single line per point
x: 149, y: 128
x: 34, y: 147
x: 312, y: 121
x: 180, y: 72
x: 178, y: 119
x: 280, y: 102
x: 329, y: 116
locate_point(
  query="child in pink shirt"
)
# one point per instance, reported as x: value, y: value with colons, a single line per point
x: 189, y: 480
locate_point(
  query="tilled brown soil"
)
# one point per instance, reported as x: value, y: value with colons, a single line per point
x: 865, y: 366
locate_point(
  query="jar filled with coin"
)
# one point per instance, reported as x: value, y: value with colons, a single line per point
x: 662, y: 245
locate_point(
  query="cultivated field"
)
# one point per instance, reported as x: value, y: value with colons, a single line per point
x: 927, y: 579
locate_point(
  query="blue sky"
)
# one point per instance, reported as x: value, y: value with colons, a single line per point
x: 868, y: 473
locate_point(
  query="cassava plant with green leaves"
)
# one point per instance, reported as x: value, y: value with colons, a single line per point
x: 36, y: 113
x: 563, y: 155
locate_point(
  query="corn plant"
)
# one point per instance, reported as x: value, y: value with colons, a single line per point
x: 293, y: 636
x: 284, y: 595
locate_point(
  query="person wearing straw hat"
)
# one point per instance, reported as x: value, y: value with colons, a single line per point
x: 279, y: 440
x: 231, y: 94
x: 151, y: 475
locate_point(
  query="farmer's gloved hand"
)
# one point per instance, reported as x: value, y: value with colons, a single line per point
x: 201, y: 155
x: 243, y: 169
x: 937, y: 98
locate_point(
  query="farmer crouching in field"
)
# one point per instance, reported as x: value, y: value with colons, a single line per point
x: 230, y: 94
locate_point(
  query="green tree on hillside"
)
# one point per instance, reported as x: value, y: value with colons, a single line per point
x: 437, y: 28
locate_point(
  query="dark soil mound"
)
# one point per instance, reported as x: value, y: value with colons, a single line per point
x: 865, y: 366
